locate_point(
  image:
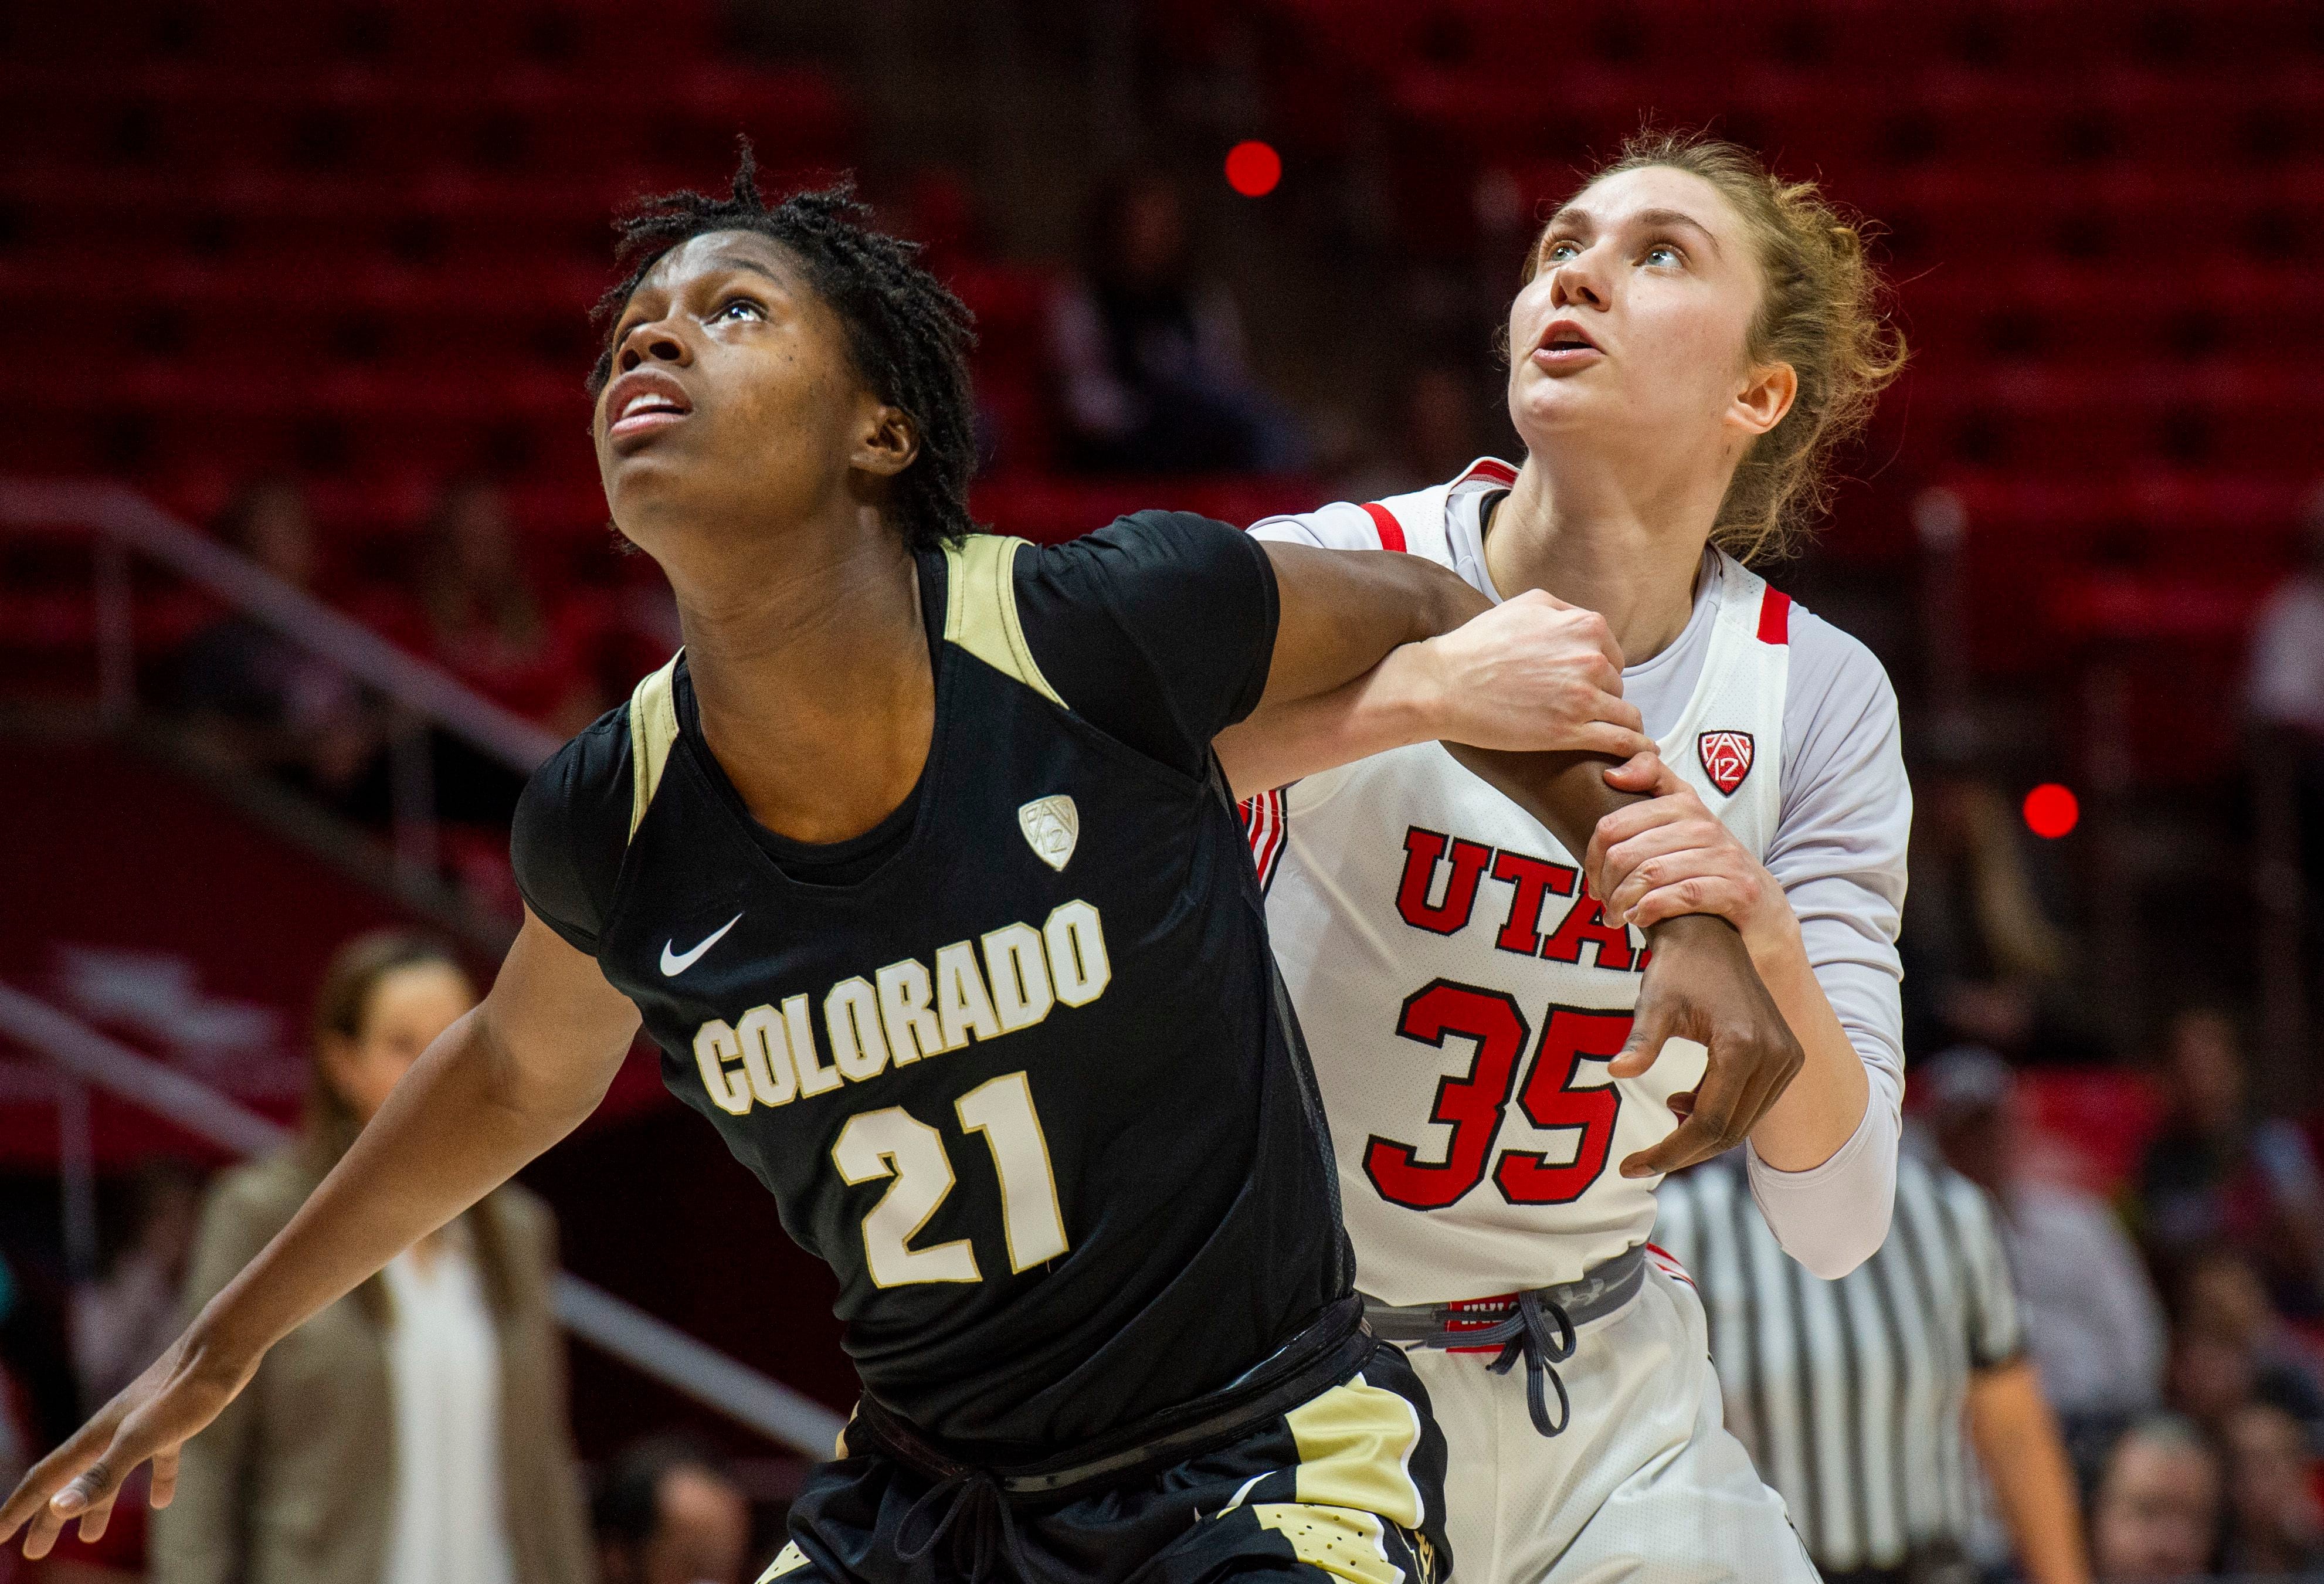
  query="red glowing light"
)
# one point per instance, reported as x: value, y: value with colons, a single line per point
x: 2052, y: 810
x: 1253, y: 168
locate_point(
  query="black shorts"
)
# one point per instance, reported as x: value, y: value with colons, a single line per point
x: 1351, y: 1481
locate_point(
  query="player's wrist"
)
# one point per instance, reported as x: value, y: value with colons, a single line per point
x: 1772, y: 939
x: 216, y: 1349
x: 1414, y: 695
x: 1771, y: 933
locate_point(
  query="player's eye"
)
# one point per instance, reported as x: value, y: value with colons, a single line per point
x: 738, y: 307
x: 1664, y: 253
x: 1559, y: 252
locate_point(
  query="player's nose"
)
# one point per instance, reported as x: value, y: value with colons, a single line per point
x: 1581, y: 282
x: 654, y: 341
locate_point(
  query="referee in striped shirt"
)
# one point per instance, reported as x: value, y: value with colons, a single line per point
x: 1854, y: 1396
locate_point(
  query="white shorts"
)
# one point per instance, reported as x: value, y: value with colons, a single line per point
x: 1644, y: 1487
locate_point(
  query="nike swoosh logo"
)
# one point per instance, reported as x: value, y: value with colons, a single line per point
x: 675, y: 962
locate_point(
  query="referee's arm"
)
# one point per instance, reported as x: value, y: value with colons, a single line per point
x: 2017, y: 1440
x: 2009, y: 1422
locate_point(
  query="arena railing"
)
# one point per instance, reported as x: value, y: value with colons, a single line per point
x: 90, y: 1059
x: 128, y: 525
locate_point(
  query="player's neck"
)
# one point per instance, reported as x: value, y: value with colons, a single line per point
x: 1596, y: 538
x: 811, y: 679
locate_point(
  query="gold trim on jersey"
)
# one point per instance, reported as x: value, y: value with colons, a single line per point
x: 981, y: 609
x: 653, y: 729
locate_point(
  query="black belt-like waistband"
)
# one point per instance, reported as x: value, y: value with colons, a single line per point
x: 1602, y: 1290
x: 1327, y: 1351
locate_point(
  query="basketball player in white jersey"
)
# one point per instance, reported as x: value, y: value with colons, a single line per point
x: 1691, y: 338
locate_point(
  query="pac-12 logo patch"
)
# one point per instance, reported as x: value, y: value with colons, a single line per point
x: 1726, y: 758
x: 1051, y: 826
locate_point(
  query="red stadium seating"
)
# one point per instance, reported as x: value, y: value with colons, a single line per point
x: 2105, y: 222
x: 361, y: 241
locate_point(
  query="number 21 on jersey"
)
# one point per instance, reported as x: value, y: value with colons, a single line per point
x: 1473, y: 1105
x: 892, y: 1142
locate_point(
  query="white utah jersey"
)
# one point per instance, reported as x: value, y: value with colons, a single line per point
x: 1461, y: 996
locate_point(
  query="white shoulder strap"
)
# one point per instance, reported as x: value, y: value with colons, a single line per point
x: 653, y: 728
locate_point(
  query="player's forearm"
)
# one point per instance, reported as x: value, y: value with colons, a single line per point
x: 2017, y: 1442
x: 1387, y: 707
x: 1340, y: 612
x: 1566, y: 792
x: 1825, y: 1104
x: 462, y: 1122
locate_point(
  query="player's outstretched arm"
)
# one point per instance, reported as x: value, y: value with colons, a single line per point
x: 1531, y: 673
x: 1342, y: 613
x: 502, y: 1084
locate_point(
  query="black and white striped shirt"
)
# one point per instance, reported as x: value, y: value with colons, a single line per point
x: 1851, y: 1394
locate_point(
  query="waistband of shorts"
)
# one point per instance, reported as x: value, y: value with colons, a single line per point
x: 1601, y: 1291
x: 1331, y: 1348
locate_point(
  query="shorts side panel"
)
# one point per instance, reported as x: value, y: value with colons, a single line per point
x: 1351, y: 1482
x: 790, y: 1563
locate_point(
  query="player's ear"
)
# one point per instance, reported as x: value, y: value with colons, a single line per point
x: 1767, y: 395
x: 887, y: 442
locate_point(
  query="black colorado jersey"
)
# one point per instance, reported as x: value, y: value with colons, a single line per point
x: 1014, y: 1064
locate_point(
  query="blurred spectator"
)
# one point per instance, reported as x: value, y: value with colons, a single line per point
x: 1982, y: 957
x: 2274, y: 1526
x: 669, y: 1514
x: 413, y: 1433
x: 2284, y: 697
x: 2286, y: 685
x: 2211, y: 1378
x: 20, y: 1441
x: 481, y: 618
x: 2219, y: 1176
x: 257, y: 694
x: 1149, y: 358
x: 2156, y: 1512
x: 474, y: 611
x: 21, y: 1435
x: 2234, y: 1347
x: 1430, y: 434
x: 2093, y: 1324
x: 123, y: 1321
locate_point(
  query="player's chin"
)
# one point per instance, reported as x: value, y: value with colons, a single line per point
x: 644, y: 488
x: 1542, y: 404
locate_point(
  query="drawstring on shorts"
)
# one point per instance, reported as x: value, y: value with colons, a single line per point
x: 1526, y: 1334
x: 976, y: 1518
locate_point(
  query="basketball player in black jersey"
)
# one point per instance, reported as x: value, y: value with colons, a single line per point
x: 916, y: 865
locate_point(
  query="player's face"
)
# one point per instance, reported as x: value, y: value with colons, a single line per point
x: 733, y: 398
x: 1635, y: 322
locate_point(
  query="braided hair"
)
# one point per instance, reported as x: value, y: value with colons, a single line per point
x: 908, y: 336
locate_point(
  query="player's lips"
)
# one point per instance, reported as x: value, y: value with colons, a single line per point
x: 1564, y: 345
x: 642, y: 403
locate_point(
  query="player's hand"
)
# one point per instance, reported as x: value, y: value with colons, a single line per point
x: 152, y: 1417
x: 1669, y: 855
x: 1700, y: 985
x: 1532, y: 674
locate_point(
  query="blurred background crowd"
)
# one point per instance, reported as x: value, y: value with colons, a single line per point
x: 315, y: 278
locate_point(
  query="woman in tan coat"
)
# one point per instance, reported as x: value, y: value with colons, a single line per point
x: 413, y: 1433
